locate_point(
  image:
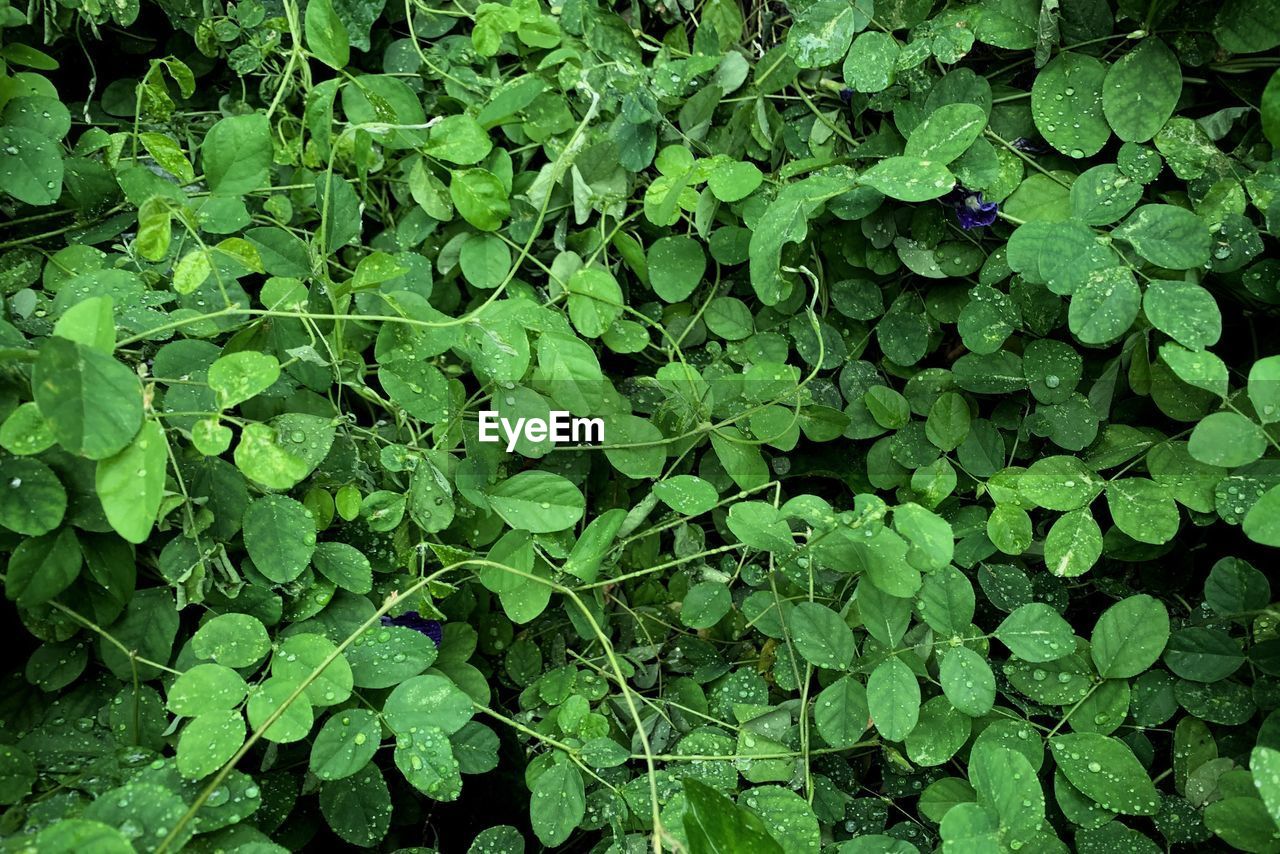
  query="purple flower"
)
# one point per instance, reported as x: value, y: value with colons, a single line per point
x: 417, y: 622
x: 1029, y: 146
x: 846, y: 95
x: 971, y: 210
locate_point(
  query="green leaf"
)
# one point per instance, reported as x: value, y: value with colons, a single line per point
x: 686, y: 494
x: 30, y: 166
x: 192, y: 271
x: 593, y: 545
x: 480, y: 197
x: 889, y: 408
x: 734, y: 180
x: 91, y: 323
x: 142, y: 810
x: 1265, y: 764
x: 676, y: 267
x: 872, y: 62
x: 1059, y: 483
x: 1185, y: 312
x: 344, y: 565
x: 280, y: 536
x: 595, y: 300
x: 206, y: 688
x: 1103, y: 194
x: 1073, y: 545
x: 705, y: 604
x: 165, y: 151
x: 1005, y: 781
x: 1129, y: 637
x: 233, y: 640
x: 789, y: 819
x: 417, y: 387
x: 538, y: 501
x: 821, y: 636
x: 432, y: 698
x: 25, y: 432
x: 1203, y: 654
x: 325, y: 34
x: 485, y: 261
x: 786, y: 220
x: 238, y: 377
x: 1062, y: 255
x: 1262, y: 523
x: 1226, y: 439
x: 931, y: 539
x: 430, y: 193
x: 946, y: 133
x: 458, y: 139
x: 947, y: 601
x: 1270, y: 108
x: 1167, y: 236
x: 1106, y: 771
x: 1066, y: 104
x: 275, y: 693
x: 557, y: 803
x: 1234, y: 586
x: 208, y: 742
x: 822, y: 32
x: 382, y: 657
x: 1037, y: 633
x: 426, y: 759
x: 940, y: 734
x: 1200, y: 369
x: 716, y: 825
x: 147, y: 629
x: 280, y: 454
x: 32, y: 499
x: 42, y: 567
x: 840, y: 712
x: 970, y: 828
x: 358, y: 808
x: 909, y: 179
x: 1243, y: 823
x: 529, y: 598
x: 92, y: 403
x: 948, y: 422
x: 1264, y: 389
x: 759, y: 525
x: 237, y: 154
x: 300, y: 656
x: 967, y: 681
x: 17, y: 774
x: 475, y: 746
x: 1009, y: 24
x: 499, y: 839
x: 1141, y: 90
x: 1009, y: 529
x: 893, y: 698
x: 130, y: 484
x: 1143, y: 509
x: 1247, y: 26
x: 1104, y: 305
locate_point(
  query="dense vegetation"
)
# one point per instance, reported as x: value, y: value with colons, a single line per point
x: 935, y: 344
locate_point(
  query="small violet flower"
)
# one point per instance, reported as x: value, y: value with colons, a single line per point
x: 1029, y: 146
x: 414, y: 620
x: 971, y: 210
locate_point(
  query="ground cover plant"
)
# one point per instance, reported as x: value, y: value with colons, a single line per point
x: 935, y: 346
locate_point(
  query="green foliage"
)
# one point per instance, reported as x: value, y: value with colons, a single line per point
x: 933, y: 344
